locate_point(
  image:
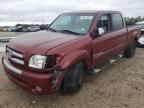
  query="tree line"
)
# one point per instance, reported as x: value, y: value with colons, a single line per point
x: 133, y: 20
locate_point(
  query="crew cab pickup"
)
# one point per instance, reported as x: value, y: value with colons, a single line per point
x: 74, y: 44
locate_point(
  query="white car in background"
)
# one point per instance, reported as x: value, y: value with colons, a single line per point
x: 141, y: 24
x: 33, y: 29
x: 141, y: 39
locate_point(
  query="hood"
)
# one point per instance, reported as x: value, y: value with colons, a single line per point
x: 40, y: 42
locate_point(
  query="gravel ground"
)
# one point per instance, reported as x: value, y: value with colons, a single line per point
x: 121, y: 85
x: 11, y: 34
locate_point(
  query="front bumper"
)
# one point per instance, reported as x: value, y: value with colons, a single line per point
x: 34, y: 82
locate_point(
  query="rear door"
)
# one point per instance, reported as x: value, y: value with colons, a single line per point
x: 119, y: 32
x: 103, y: 46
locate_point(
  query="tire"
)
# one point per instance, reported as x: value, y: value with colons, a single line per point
x: 130, y: 52
x: 73, y: 79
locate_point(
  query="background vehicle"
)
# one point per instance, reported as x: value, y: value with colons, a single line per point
x: 141, y: 40
x: 141, y: 24
x: 33, y: 29
x: 13, y: 29
x: 19, y: 29
x: 75, y: 44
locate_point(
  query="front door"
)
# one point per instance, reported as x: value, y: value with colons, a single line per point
x: 103, y: 45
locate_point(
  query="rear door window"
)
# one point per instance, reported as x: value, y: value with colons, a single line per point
x: 116, y: 22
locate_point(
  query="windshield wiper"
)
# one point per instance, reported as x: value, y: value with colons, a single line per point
x: 51, y: 29
x: 69, y: 31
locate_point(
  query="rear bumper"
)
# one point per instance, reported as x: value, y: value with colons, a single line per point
x: 33, y: 82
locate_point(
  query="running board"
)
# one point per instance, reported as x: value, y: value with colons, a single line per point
x: 103, y: 66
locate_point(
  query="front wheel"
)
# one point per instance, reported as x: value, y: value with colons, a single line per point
x: 73, y: 79
x: 129, y: 52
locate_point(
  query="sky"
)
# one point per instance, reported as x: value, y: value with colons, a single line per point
x: 45, y: 11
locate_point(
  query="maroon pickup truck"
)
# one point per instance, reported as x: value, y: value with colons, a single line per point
x: 74, y: 44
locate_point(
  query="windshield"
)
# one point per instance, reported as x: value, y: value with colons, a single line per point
x: 72, y: 23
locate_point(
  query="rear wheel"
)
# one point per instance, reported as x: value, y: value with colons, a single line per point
x: 129, y: 52
x: 73, y: 79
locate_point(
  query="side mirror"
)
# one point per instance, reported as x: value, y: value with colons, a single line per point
x: 101, y: 31
x: 98, y: 32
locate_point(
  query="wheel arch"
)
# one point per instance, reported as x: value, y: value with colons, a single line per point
x: 75, y: 57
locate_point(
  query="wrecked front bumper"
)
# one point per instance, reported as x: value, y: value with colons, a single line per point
x: 34, y: 82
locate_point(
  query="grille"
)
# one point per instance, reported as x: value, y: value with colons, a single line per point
x: 15, y: 56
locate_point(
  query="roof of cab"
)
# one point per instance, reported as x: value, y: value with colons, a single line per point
x: 94, y: 11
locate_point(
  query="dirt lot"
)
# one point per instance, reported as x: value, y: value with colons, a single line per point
x: 11, y: 34
x: 119, y: 86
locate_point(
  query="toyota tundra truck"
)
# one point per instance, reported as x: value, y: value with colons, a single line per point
x: 75, y: 43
